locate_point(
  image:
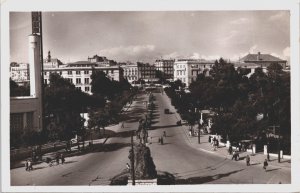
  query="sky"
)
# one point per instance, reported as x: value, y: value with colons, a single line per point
x: 148, y: 35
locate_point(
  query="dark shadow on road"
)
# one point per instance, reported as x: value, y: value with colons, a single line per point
x: 162, y: 126
x: 255, y: 164
x: 38, y: 168
x: 273, y: 169
x: 205, y: 179
x: 112, y: 147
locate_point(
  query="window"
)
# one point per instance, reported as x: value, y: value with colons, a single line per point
x: 78, y: 72
x: 112, y: 71
x: 86, y: 81
x: 45, y: 81
x: 69, y: 72
x: 78, y: 80
x: 60, y: 73
x: 87, y: 89
x: 86, y: 72
x: 45, y: 73
x: 70, y: 80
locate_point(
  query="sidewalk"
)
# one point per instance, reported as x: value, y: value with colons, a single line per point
x: 222, y: 151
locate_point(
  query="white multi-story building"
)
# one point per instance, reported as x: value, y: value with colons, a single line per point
x: 79, y: 73
x: 166, y: 67
x: 130, y: 72
x: 19, y: 73
x: 187, y: 70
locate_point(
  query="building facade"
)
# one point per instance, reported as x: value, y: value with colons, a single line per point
x: 263, y: 60
x: 147, y: 72
x: 187, y: 70
x: 19, y: 73
x: 166, y: 67
x: 130, y: 72
x: 101, y: 61
x: 26, y: 111
x: 79, y: 73
x: 50, y: 62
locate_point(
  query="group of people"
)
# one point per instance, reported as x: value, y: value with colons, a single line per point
x: 161, y: 139
x: 28, y: 165
x: 235, y: 156
x: 214, y: 142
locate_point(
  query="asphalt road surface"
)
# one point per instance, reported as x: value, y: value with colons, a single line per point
x: 177, y: 157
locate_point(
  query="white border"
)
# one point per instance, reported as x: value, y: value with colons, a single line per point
x: 151, y: 5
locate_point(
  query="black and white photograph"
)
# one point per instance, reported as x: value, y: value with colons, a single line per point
x: 150, y: 98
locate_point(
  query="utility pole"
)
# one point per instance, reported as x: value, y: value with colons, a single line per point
x: 132, y: 161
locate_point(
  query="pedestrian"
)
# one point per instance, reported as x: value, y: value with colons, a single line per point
x: 209, y: 139
x: 248, y: 160
x: 122, y: 125
x: 230, y: 150
x: 165, y: 134
x: 237, y: 156
x: 62, y: 157
x: 161, y: 140
x: 265, y: 164
x: 190, y: 132
x: 128, y: 166
x: 239, y: 147
x: 30, y: 165
x: 57, y: 159
x: 26, y: 165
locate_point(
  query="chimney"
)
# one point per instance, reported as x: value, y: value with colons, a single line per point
x: 258, y: 56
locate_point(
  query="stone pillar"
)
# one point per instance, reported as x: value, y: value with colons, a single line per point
x: 35, y: 65
x: 254, y: 149
x: 35, y: 71
x: 228, y: 144
x: 265, y: 149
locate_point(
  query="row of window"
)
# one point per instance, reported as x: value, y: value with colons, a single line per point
x: 180, y: 72
x: 77, y: 72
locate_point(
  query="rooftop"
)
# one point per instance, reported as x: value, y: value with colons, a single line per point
x: 261, y: 57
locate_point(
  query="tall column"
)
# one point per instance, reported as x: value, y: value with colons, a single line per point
x: 35, y: 65
x: 34, y: 41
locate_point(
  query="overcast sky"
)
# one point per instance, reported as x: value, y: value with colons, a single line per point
x: 146, y: 36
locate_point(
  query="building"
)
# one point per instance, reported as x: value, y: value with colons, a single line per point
x: 187, y: 70
x: 51, y: 62
x: 263, y: 60
x: 166, y: 67
x: 249, y: 66
x: 19, y: 73
x: 79, y: 73
x: 130, y: 72
x: 146, y: 72
x: 102, y: 61
x: 26, y: 111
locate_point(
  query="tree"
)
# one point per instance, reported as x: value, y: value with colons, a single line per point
x: 16, y: 90
x: 63, y: 105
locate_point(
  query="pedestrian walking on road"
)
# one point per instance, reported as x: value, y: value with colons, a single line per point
x: 161, y: 140
x: 57, y: 159
x: 230, y: 150
x: 26, y: 165
x: 248, y: 160
x: 128, y: 166
x: 165, y: 134
x: 122, y: 125
x: 265, y: 164
x: 62, y: 157
x: 30, y: 165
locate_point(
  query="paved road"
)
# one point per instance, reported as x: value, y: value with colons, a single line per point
x: 177, y: 156
x: 89, y: 169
